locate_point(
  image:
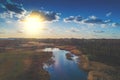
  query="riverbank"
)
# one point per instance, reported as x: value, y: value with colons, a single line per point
x: 96, y: 70
x: 65, y: 66
x: 100, y: 58
x: 72, y: 49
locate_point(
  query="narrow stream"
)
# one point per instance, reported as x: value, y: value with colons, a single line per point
x: 62, y: 68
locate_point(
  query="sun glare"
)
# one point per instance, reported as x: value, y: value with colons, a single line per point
x: 33, y: 24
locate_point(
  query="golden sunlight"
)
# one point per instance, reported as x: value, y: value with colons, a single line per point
x: 33, y: 24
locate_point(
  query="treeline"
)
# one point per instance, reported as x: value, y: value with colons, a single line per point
x: 102, y: 50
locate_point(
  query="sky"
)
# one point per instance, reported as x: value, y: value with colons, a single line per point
x: 60, y: 19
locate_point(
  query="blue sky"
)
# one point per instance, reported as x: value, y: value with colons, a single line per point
x: 63, y: 18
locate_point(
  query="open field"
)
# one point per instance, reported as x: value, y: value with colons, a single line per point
x: 100, y: 57
x: 22, y: 59
x: 22, y: 63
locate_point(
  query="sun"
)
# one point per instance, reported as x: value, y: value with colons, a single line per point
x: 33, y: 24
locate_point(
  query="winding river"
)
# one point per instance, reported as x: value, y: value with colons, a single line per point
x: 62, y: 68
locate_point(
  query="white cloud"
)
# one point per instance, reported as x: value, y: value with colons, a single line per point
x: 93, y: 17
x: 5, y: 15
x: 103, y: 25
x: 49, y: 16
x: 11, y: 15
x: 73, y: 29
x: 92, y: 21
x: 108, y: 14
x: 115, y: 24
x: 76, y: 19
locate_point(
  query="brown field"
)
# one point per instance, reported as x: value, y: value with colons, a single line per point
x: 22, y: 59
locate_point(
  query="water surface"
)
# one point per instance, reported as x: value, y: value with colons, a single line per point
x: 62, y: 68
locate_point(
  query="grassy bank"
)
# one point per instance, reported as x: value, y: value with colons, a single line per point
x: 96, y: 70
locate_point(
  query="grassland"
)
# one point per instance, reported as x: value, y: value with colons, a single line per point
x: 99, y: 57
x: 23, y: 63
x: 22, y: 59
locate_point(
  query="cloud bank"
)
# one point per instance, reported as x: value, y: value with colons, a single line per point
x: 16, y: 11
x: 12, y: 6
x: 49, y: 16
x: 73, y: 19
x: 91, y: 20
x: 99, y: 31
